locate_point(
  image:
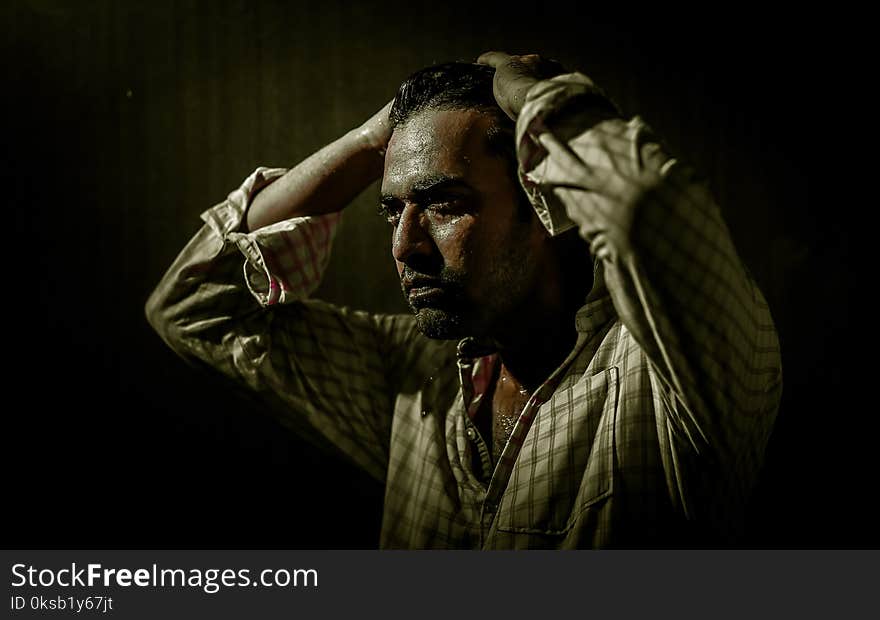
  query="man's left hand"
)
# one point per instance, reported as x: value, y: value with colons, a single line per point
x: 515, y: 75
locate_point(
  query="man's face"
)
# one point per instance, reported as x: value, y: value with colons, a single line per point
x: 466, y: 260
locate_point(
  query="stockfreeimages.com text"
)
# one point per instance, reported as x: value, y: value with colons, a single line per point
x: 210, y: 580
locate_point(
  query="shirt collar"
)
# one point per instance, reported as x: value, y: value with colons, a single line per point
x: 476, y: 357
x: 597, y: 310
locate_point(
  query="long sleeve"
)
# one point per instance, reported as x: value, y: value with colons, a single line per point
x: 668, y: 261
x: 238, y: 303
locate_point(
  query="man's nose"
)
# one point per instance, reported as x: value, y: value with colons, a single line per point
x: 411, y: 237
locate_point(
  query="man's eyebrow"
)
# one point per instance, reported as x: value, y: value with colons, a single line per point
x: 429, y: 186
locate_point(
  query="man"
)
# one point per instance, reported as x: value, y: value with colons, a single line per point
x: 599, y: 369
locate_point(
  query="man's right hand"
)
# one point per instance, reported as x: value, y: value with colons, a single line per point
x: 376, y: 130
x: 328, y: 180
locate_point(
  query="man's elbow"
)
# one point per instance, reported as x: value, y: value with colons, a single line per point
x: 157, y: 316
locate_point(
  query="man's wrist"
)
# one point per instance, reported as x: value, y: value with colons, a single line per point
x: 519, y: 94
x: 366, y: 138
x: 375, y: 132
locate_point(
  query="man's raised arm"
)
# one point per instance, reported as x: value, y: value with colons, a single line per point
x: 329, y: 179
x: 236, y: 300
x: 663, y: 250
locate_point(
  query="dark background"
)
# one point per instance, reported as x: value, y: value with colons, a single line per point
x: 125, y: 120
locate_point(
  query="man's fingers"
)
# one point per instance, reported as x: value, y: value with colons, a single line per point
x: 493, y: 59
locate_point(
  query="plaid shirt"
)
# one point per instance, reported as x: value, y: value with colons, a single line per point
x: 652, y: 431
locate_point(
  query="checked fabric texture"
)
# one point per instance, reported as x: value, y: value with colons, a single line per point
x: 650, y: 434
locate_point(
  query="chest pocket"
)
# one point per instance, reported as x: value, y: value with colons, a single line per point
x: 566, y: 466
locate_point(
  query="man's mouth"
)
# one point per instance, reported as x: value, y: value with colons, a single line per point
x: 424, y: 295
x: 423, y: 291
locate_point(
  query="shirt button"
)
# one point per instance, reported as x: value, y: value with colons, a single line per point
x: 471, y: 434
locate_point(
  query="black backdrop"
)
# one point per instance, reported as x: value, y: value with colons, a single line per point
x: 126, y: 119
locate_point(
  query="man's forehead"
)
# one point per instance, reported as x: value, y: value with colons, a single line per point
x: 434, y: 143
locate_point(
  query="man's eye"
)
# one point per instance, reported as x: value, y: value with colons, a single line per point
x: 391, y: 215
x: 443, y: 207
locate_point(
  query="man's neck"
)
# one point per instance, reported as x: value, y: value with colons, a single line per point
x: 532, y: 355
x: 539, y: 336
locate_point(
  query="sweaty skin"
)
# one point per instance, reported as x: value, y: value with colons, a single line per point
x: 469, y: 264
x: 452, y: 207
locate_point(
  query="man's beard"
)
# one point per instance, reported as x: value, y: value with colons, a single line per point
x: 443, y: 315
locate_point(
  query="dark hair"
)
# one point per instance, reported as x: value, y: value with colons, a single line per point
x: 448, y: 86
x: 461, y: 86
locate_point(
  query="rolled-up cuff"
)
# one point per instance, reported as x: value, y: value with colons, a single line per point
x: 284, y: 261
x: 544, y: 101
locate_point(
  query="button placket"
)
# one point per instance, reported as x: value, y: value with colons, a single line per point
x: 482, y: 449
